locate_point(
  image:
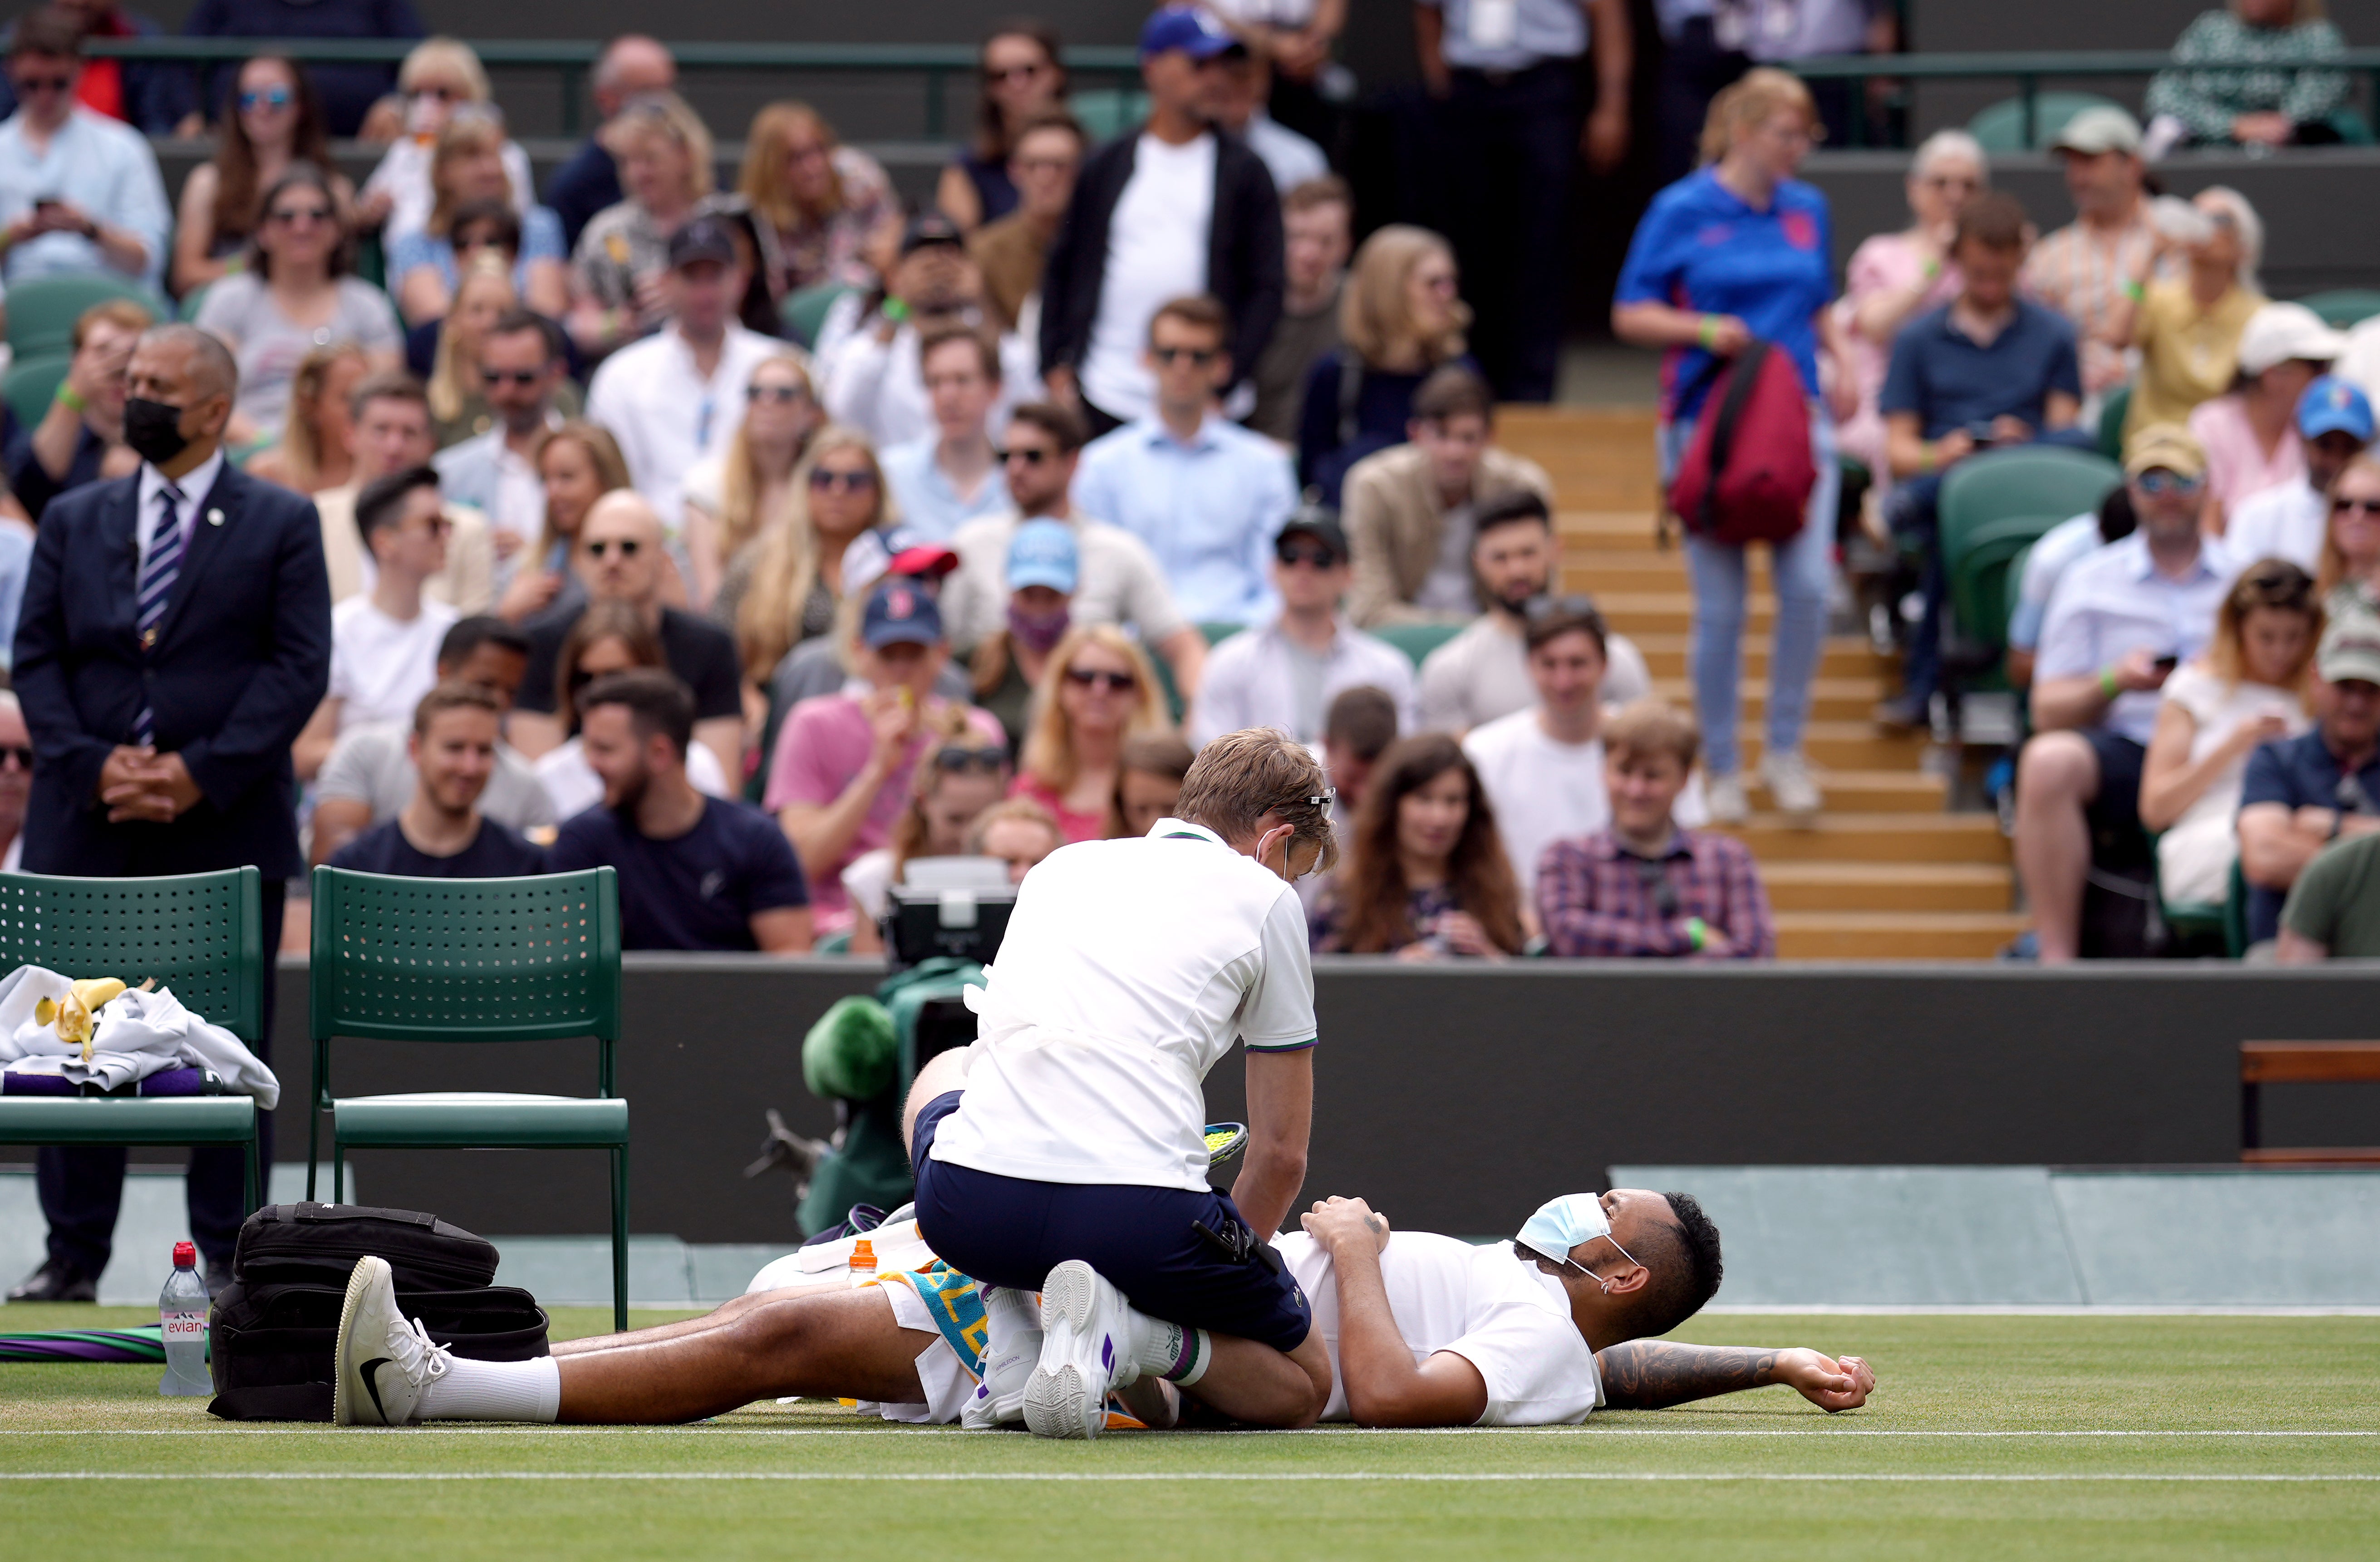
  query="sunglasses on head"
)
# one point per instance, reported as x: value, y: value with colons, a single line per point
x: 2346, y: 503
x: 958, y: 756
x: 269, y: 97
x: 1100, y: 678
x: 783, y: 396
x: 850, y: 482
x: 494, y: 377
x: 1199, y: 356
x: 627, y: 547
x: 1032, y: 455
x: 21, y: 753
x: 1292, y: 555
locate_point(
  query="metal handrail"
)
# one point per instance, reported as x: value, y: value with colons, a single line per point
x: 571, y: 59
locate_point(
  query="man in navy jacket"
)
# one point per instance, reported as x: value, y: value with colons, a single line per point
x: 175, y: 636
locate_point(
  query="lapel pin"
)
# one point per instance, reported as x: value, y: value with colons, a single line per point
x: 214, y: 517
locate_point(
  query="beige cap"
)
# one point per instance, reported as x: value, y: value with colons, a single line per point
x: 2095, y: 130
x: 2351, y: 650
x: 2278, y: 333
x: 2168, y: 445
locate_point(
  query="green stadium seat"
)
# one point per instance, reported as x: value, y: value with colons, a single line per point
x: 1418, y: 640
x: 201, y: 935
x: 805, y: 312
x: 1994, y: 507
x: 471, y: 961
x: 2235, y: 914
x: 2000, y: 126
x: 2190, y: 919
x: 2343, y: 309
x: 1108, y: 112
x: 32, y: 383
x: 2113, y: 410
x: 1218, y: 632
x: 42, y: 313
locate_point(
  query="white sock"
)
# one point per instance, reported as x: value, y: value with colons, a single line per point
x: 1011, y: 1326
x: 1169, y: 1350
x: 529, y: 1390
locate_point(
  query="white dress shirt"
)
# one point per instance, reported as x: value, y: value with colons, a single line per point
x: 2114, y: 602
x: 665, y: 415
x: 1209, y: 507
x: 194, y: 484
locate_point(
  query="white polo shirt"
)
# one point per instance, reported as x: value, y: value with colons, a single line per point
x: 1128, y: 969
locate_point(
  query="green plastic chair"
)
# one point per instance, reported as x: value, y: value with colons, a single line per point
x: 1994, y: 506
x: 471, y: 961
x: 32, y: 383
x: 2113, y: 410
x: 2000, y: 126
x: 1418, y: 640
x: 201, y: 934
x: 2343, y: 309
x: 805, y: 312
x: 1217, y: 632
x: 1106, y: 113
x: 2189, y: 918
x: 2235, y: 914
x: 42, y: 313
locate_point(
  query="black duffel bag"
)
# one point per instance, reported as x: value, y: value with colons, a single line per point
x: 273, y: 1332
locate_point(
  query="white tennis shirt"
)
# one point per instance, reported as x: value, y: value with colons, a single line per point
x: 1128, y: 969
x: 1510, y: 1319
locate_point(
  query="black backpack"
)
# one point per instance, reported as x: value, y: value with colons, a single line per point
x: 272, y: 1331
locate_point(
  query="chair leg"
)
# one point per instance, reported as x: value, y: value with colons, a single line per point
x: 255, y: 1199
x: 338, y: 1167
x: 620, y: 1240
x: 313, y: 1142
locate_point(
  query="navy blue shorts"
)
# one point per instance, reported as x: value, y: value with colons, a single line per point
x: 1012, y: 1231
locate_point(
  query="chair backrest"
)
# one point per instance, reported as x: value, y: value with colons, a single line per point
x: 42, y: 313
x: 1983, y: 581
x: 2114, y: 408
x: 201, y: 934
x: 2015, y: 573
x: 2033, y: 481
x: 1418, y: 640
x: 1106, y: 113
x: 32, y: 383
x: 466, y: 959
x: 805, y: 310
x: 2343, y: 309
x: 2000, y: 126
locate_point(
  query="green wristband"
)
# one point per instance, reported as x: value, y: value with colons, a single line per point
x: 2108, y: 684
x: 69, y: 398
x: 1697, y: 932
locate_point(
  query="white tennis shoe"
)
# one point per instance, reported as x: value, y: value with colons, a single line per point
x: 1011, y: 1351
x: 383, y: 1362
x: 1087, y: 1350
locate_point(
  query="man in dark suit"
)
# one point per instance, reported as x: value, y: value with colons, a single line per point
x: 175, y: 636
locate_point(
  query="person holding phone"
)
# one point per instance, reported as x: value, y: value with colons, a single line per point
x: 79, y: 192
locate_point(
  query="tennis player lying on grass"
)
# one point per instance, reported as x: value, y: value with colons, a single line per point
x: 1421, y: 1330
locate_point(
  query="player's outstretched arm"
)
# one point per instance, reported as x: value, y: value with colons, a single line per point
x: 1651, y: 1375
x: 1385, y: 1385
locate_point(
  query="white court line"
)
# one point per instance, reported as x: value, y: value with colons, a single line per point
x: 467, y: 1429
x: 2026, y: 1310
x: 1101, y: 1477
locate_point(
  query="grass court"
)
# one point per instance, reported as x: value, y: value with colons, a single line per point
x: 2007, y: 1437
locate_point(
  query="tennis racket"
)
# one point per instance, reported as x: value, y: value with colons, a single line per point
x: 1225, y: 1140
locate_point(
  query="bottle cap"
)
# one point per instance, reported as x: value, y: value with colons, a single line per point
x: 186, y: 1256
x: 863, y: 1255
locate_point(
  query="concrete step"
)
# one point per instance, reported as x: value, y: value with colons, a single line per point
x: 1874, y: 792
x: 1888, y: 887
x: 1845, y: 656
x: 1831, y: 700
x: 1626, y: 528
x: 1598, y: 569
x: 1672, y: 612
x: 1849, y: 745
x: 1899, y: 935
x: 1874, y: 837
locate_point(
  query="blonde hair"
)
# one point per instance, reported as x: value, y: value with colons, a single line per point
x: 1758, y: 94
x: 739, y: 489
x: 1374, y: 318
x: 454, y: 376
x: 1241, y: 777
x: 1048, y: 755
x: 475, y: 130
x: 768, y: 621
x: 602, y: 453
x: 2268, y: 586
x: 910, y: 830
x: 1652, y: 725
x: 1022, y: 809
x: 761, y: 180
x: 301, y: 445
x: 458, y: 59
x: 2232, y: 209
x: 668, y: 114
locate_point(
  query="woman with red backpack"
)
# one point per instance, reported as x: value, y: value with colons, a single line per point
x: 1730, y: 272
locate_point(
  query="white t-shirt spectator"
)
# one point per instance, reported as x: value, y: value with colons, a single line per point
x: 1128, y: 969
x: 666, y: 416
x: 1543, y: 792
x: 574, y: 787
x: 1157, y: 251
x: 370, y: 765
x: 1483, y: 674
x: 1504, y: 1316
x: 2285, y: 522
x: 381, y: 666
x: 2194, y: 856
x: 269, y: 344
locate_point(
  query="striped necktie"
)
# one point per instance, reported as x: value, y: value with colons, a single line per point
x: 157, y: 579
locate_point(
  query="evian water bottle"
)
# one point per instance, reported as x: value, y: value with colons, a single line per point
x: 182, y: 1317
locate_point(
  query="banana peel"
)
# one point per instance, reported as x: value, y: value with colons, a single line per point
x: 74, y: 1017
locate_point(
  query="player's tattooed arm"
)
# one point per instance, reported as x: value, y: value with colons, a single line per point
x: 1651, y: 1375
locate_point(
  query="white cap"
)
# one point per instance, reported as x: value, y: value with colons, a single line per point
x: 2104, y: 129
x: 2278, y: 333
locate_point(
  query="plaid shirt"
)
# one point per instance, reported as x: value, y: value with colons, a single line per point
x: 1598, y: 899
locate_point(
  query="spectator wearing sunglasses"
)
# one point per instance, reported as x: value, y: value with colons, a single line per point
x: 522, y: 374
x: 619, y: 557
x: 79, y: 192
x: 948, y: 791
x: 2291, y: 519
x: 1097, y: 694
x: 154, y: 97
x: 842, y: 765
x: 348, y: 91
x: 270, y: 118
x: 16, y: 778
x: 1207, y: 495
x: 2119, y: 622
x: 1286, y: 674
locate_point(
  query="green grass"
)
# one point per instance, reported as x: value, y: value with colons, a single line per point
x: 2181, y: 1397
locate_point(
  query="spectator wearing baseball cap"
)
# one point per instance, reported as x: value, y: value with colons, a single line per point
x: 1286, y: 674
x: 843, y: 764
x: 2249, y: 432
x: 2121, y: 619
x: 1174, y: 210
x: 1045, y: 565
x: 678, y: 395
x: 870, y: 349
x: 2086, y: 270
x: 2304, y: 792
x: 2288, y: 520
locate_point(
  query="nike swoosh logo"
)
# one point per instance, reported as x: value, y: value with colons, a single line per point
x: 369, y: 1373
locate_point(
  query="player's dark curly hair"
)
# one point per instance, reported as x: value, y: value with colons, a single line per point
x: 1683, y: 1260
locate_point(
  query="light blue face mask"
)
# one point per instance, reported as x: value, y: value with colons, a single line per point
x: 1565, y: 1223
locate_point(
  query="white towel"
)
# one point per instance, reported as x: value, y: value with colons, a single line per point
x: 136, y: 1035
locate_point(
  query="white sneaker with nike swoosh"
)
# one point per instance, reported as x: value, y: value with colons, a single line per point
x: 383, y: 1363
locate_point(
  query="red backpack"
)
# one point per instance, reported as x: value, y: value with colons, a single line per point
x: 1747, y: 475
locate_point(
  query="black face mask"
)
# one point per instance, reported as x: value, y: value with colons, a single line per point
x: 153, y: 429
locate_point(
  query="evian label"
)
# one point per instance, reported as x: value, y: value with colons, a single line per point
x: 184, y: 1326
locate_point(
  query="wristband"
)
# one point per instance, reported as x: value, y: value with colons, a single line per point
x: 895, y: 310
x: 2108, y: 684
x: 1707, y: 332
x: 1697, y: 932
x: 1927, y: 459
x: 69, y: 398
x: 2135, y: 292
x: 1933, y: 270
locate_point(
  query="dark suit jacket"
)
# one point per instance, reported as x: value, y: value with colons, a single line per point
x: 242, y: 658
x: 1245, y: 268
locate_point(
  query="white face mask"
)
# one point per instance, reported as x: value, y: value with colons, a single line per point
x: 1566, y: 1223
